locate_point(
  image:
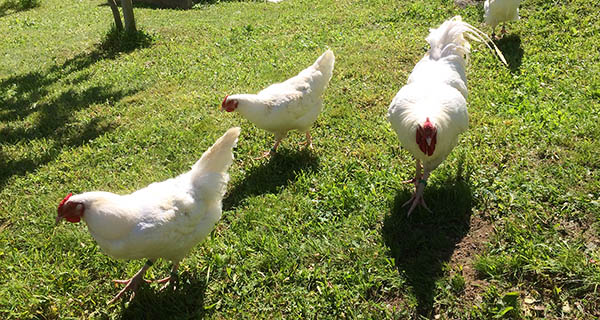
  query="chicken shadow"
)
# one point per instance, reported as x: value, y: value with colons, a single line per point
x: 282, y: 169
x: 36, y: 93
x: 510, y: 45
x: 184, y: 300
x: 424, y: 242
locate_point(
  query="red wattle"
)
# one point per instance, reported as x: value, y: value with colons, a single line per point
x: 73, y: 219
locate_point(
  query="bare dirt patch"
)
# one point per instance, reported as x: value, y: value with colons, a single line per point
x: 466, y: 250
x: 466, y: 3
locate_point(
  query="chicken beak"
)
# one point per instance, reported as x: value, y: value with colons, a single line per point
x: 428, y: 140
x: 58, y: 218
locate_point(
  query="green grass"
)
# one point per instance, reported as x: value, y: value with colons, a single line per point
x: 515, y: 231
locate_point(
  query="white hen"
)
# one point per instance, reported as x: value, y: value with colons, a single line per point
x: 430, y: 111
x: 496, y: 11
x: 164, y: 220
x: 293, y: 104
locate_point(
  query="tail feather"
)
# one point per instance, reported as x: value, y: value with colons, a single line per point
x: 325, y: 63
x: 449, y: 39
x: 219, y: 157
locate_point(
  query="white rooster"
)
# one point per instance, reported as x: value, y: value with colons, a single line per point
x: 430, y: 111
x: 163, y: 220
x: 496, y: 11
x: 293, y: 104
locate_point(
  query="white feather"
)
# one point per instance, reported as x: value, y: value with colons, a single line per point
x: 497, y: 11
x: 293, y: 104
x: 436, y: 89
x: 165, y: 219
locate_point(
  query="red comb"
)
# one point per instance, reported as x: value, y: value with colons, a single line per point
x: 224, y: 100
x: 64, y: 200
x: 427, y: 123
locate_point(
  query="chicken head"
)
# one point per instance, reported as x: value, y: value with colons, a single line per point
x: 427, y: 137
x: 70, y: 210
x: 229, y: 105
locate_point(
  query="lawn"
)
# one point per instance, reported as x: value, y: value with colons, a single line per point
x: 515, y: 228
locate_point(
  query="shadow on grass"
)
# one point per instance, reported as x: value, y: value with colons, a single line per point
x: 32, y: 107
x: 282, y: 169
x: 208, y: 2
x: 183, y: 301
x: 12, y: 6
x: 510, y: 46
x: 423, y: 243
x: 162, y: 5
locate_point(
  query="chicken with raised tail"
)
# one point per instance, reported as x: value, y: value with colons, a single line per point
x: 293, y: 104
x: 430, y: 111
x: 163, y: 220
x: 496, y: 11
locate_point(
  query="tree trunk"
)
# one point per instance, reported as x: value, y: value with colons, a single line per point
x: 116, y: 14
x: 127, y: 7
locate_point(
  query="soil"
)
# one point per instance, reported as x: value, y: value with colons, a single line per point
x: 466, y: 251
x: 466, y: 3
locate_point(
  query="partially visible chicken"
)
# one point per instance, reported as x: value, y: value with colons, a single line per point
x: 430, y: 111
x: 163, y: 220
x: 496, y: 11
x: 293, y: 104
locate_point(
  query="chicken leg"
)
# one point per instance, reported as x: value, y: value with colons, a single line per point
x: 494, y: 35
x: 273, y: 150
x: 170, y: 278
x: 166, y: 279
x: 308, y: 142
x: 133, y: 283
x: 417, y: 197
x: 417, y: 173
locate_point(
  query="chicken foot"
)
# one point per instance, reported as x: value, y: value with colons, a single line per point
x: 417, y: 197
x: 133, y: 283
x: 308, y: 142
x: 172, y: 277
x: 273, y: 150
x: 502, y: 32
x: 166, y: 279
x: 494, y: 35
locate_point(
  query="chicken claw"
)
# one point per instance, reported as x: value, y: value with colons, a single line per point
x: 308, y: 141
x: 133, y: 283
x: 417, y: 198
x: 267, y: 154
x: 170, y: 279
x: 410, y: 181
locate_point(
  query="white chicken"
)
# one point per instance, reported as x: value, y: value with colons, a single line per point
x: 430, y: 111
x: 163, y: 220
x: 496, y: 11
x: 293, y: 104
